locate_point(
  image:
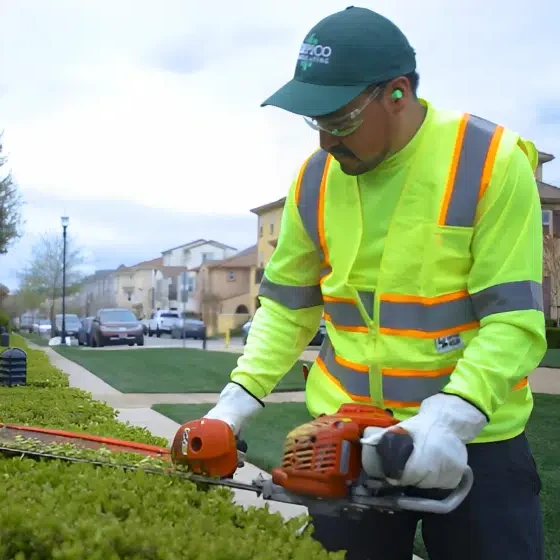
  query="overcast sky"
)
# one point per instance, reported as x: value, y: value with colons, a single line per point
x: 141, y: 120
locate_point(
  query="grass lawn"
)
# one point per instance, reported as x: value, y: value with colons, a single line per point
x: 265, y: 439
x: 37, y: 338
x: 167, y: 370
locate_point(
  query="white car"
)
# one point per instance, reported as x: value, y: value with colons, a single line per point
x: 42, y: 326
x: 163, y: 321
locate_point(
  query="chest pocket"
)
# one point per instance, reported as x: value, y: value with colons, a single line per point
x: 449, y: 259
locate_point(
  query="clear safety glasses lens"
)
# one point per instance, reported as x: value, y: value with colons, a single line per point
x: 338, y: 129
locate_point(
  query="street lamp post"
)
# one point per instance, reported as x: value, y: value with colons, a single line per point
x: 64, y: 221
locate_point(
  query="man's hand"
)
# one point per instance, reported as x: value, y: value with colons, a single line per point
x: 235, y: 406
x: 440, y: 431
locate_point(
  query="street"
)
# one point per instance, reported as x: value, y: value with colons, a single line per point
x: 165, y: 341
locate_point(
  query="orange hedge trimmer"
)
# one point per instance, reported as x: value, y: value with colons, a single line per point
x: 324, y: 467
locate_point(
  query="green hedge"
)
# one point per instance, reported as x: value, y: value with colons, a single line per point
x: 71, y: 511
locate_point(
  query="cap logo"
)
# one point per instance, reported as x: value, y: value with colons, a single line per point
x: 313, y: 52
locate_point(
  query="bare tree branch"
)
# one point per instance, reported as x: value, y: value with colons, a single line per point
x: 43, y: 274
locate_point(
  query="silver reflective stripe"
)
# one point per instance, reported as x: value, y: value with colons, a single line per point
x: 344, y: 314
x: 470, y: 168
x: 309, y: 193
x: 426, y: 318
x: 293, y: 297
x: 354, y: 382
x: 510, y: 296
x: 412, y: 389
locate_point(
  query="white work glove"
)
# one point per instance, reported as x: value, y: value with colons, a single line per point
x: 440, y: 430
x: 235, y: 406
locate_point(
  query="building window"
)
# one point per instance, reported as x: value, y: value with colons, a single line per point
x: 207, y: 257
x: 547, y: 222
x: 260, y: 231
x: 231, y: 276
x: 271, y: 228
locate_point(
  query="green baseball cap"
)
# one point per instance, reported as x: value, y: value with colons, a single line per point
x: 341, y: 56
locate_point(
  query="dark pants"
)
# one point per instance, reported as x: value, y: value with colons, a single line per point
x: 500, y: 518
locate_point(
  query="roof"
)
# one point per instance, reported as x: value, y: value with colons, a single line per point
x: 243, y: 259
x: 197, y: 243
x: 544, y: 157
x: 98, y: 275
x: 144, y: 265
x: 548, y: 193
x: 269, y: 206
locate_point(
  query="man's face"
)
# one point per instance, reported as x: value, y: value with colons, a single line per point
x: 366, y: 146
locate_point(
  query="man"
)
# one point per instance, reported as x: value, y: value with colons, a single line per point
x: 417, y: 233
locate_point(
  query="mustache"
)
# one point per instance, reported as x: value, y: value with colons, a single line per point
x: 341, y: 151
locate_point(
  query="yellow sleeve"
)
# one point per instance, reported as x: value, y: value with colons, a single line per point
x: 505, y: 283
x: 291, y: 307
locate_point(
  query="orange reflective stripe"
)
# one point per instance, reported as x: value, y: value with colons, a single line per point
x: 325, y: 266
x: 453, y: 169
x: 490, y: 160
x: 299, y: 179
x: 394, y: 372
x: 424, y: 300
x: 334, y: 299
x: 523, y: 383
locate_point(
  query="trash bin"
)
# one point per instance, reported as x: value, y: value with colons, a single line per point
x: 13, y: 367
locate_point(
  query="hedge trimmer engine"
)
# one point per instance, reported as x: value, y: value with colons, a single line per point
x: 324, y: 467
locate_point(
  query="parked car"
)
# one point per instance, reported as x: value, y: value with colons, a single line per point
x: 42, y: 326
x: 317, y: 340
x: 71, y: 325
x: 189, y: 328
x: 163, y: 321
x: 116, y: 326
x: 85, y: 332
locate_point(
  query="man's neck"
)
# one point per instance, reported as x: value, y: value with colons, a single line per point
x: 411, y: 123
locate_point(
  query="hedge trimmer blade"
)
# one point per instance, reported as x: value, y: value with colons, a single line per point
x: 49, y: 444
x: 10, y: 433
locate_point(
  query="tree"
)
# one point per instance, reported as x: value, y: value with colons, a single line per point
x: 4, y: 293
x: 10, y: 208
x: 551, y: 268
x: 43, y: 275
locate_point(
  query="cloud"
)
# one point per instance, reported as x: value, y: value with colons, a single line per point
x: 145, y: 105
x: 120, y: 232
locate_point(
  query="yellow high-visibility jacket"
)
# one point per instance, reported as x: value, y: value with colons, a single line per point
x: 458, y: 303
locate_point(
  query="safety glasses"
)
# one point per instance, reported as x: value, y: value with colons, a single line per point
x: 346, y: 124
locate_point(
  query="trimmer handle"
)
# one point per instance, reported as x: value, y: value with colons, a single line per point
x: 394, y: 449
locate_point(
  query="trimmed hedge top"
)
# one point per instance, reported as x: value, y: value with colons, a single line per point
x: 54, y: 509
